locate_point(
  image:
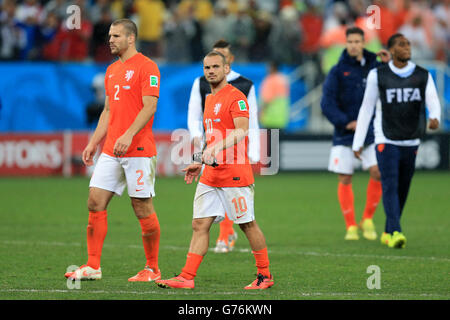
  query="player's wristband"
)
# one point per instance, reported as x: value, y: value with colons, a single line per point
x: 197, y: 158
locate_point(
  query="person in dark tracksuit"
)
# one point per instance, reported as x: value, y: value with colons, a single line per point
x: 405, y: 90
x: 343, y: 92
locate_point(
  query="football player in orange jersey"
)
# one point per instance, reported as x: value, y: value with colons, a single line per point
x: 128, y: 158
x: 227, y: 187
x: 200, y: 89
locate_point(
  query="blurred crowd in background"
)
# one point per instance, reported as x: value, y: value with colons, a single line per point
x: 182, y: 31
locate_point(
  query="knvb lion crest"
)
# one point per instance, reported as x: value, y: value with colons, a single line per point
x: 129, y: 74
x: 217, y: 108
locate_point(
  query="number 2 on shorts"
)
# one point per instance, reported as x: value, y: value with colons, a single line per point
x: 139, y: 179
x: 240, y: 205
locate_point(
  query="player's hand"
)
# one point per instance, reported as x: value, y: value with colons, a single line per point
x: 384, y: 55
x: 122, y: 144
x: 351, y: 125
x: 358, y: 153
x: 192, y: 172
x: 88, y: 155
x: 433, y: 124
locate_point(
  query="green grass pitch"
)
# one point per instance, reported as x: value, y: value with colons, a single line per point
x: 43, y: 231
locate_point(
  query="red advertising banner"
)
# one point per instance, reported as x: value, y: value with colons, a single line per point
x: 60, y: 154
x: 26, y: 154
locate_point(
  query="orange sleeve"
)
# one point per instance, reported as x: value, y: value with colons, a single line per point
x: 106, y: 82
x: 150, y: 79
x: 239, y: 107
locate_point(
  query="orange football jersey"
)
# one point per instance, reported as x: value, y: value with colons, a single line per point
x: 234, y: 169
x: 125, y: 85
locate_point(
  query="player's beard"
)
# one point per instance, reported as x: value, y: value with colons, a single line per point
x: 118, y: 50
x: 216, y: 81
x: 114, y: 50
x: 404, y: 59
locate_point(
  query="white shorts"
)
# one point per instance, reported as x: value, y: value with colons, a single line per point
x: 237, y: 203
x: 135, y: 173
x: 343, y: 161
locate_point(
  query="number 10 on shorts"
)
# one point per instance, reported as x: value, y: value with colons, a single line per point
x: 240, y: 205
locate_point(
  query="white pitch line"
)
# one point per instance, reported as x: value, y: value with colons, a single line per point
x: 77, y: 244
x: 166, y: 292
x: 242, y: 250
x: 357, y: 255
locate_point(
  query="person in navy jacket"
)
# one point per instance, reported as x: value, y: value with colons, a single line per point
x: 343, y: 92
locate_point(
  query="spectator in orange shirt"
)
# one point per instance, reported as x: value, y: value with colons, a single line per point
x: 274, y: 99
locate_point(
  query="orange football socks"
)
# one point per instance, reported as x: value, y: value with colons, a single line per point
x: 345, y: 196
x: 373, y: 198
x: 150, y: 239
x: 96, y: 233
x: 262, y: 262
x: 189, y: 270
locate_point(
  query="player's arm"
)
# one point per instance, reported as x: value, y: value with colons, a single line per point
x: 254, y: 144
x: 432, y: 103
x: 97, y: 137
x: 195, y: 117
x: 234, y: 137
x: 329, y: 102
x: 148, y: 110
x: 365, y: 112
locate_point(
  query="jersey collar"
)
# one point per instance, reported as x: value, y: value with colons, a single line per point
x: 403, y: 72
x: 130, y: 58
